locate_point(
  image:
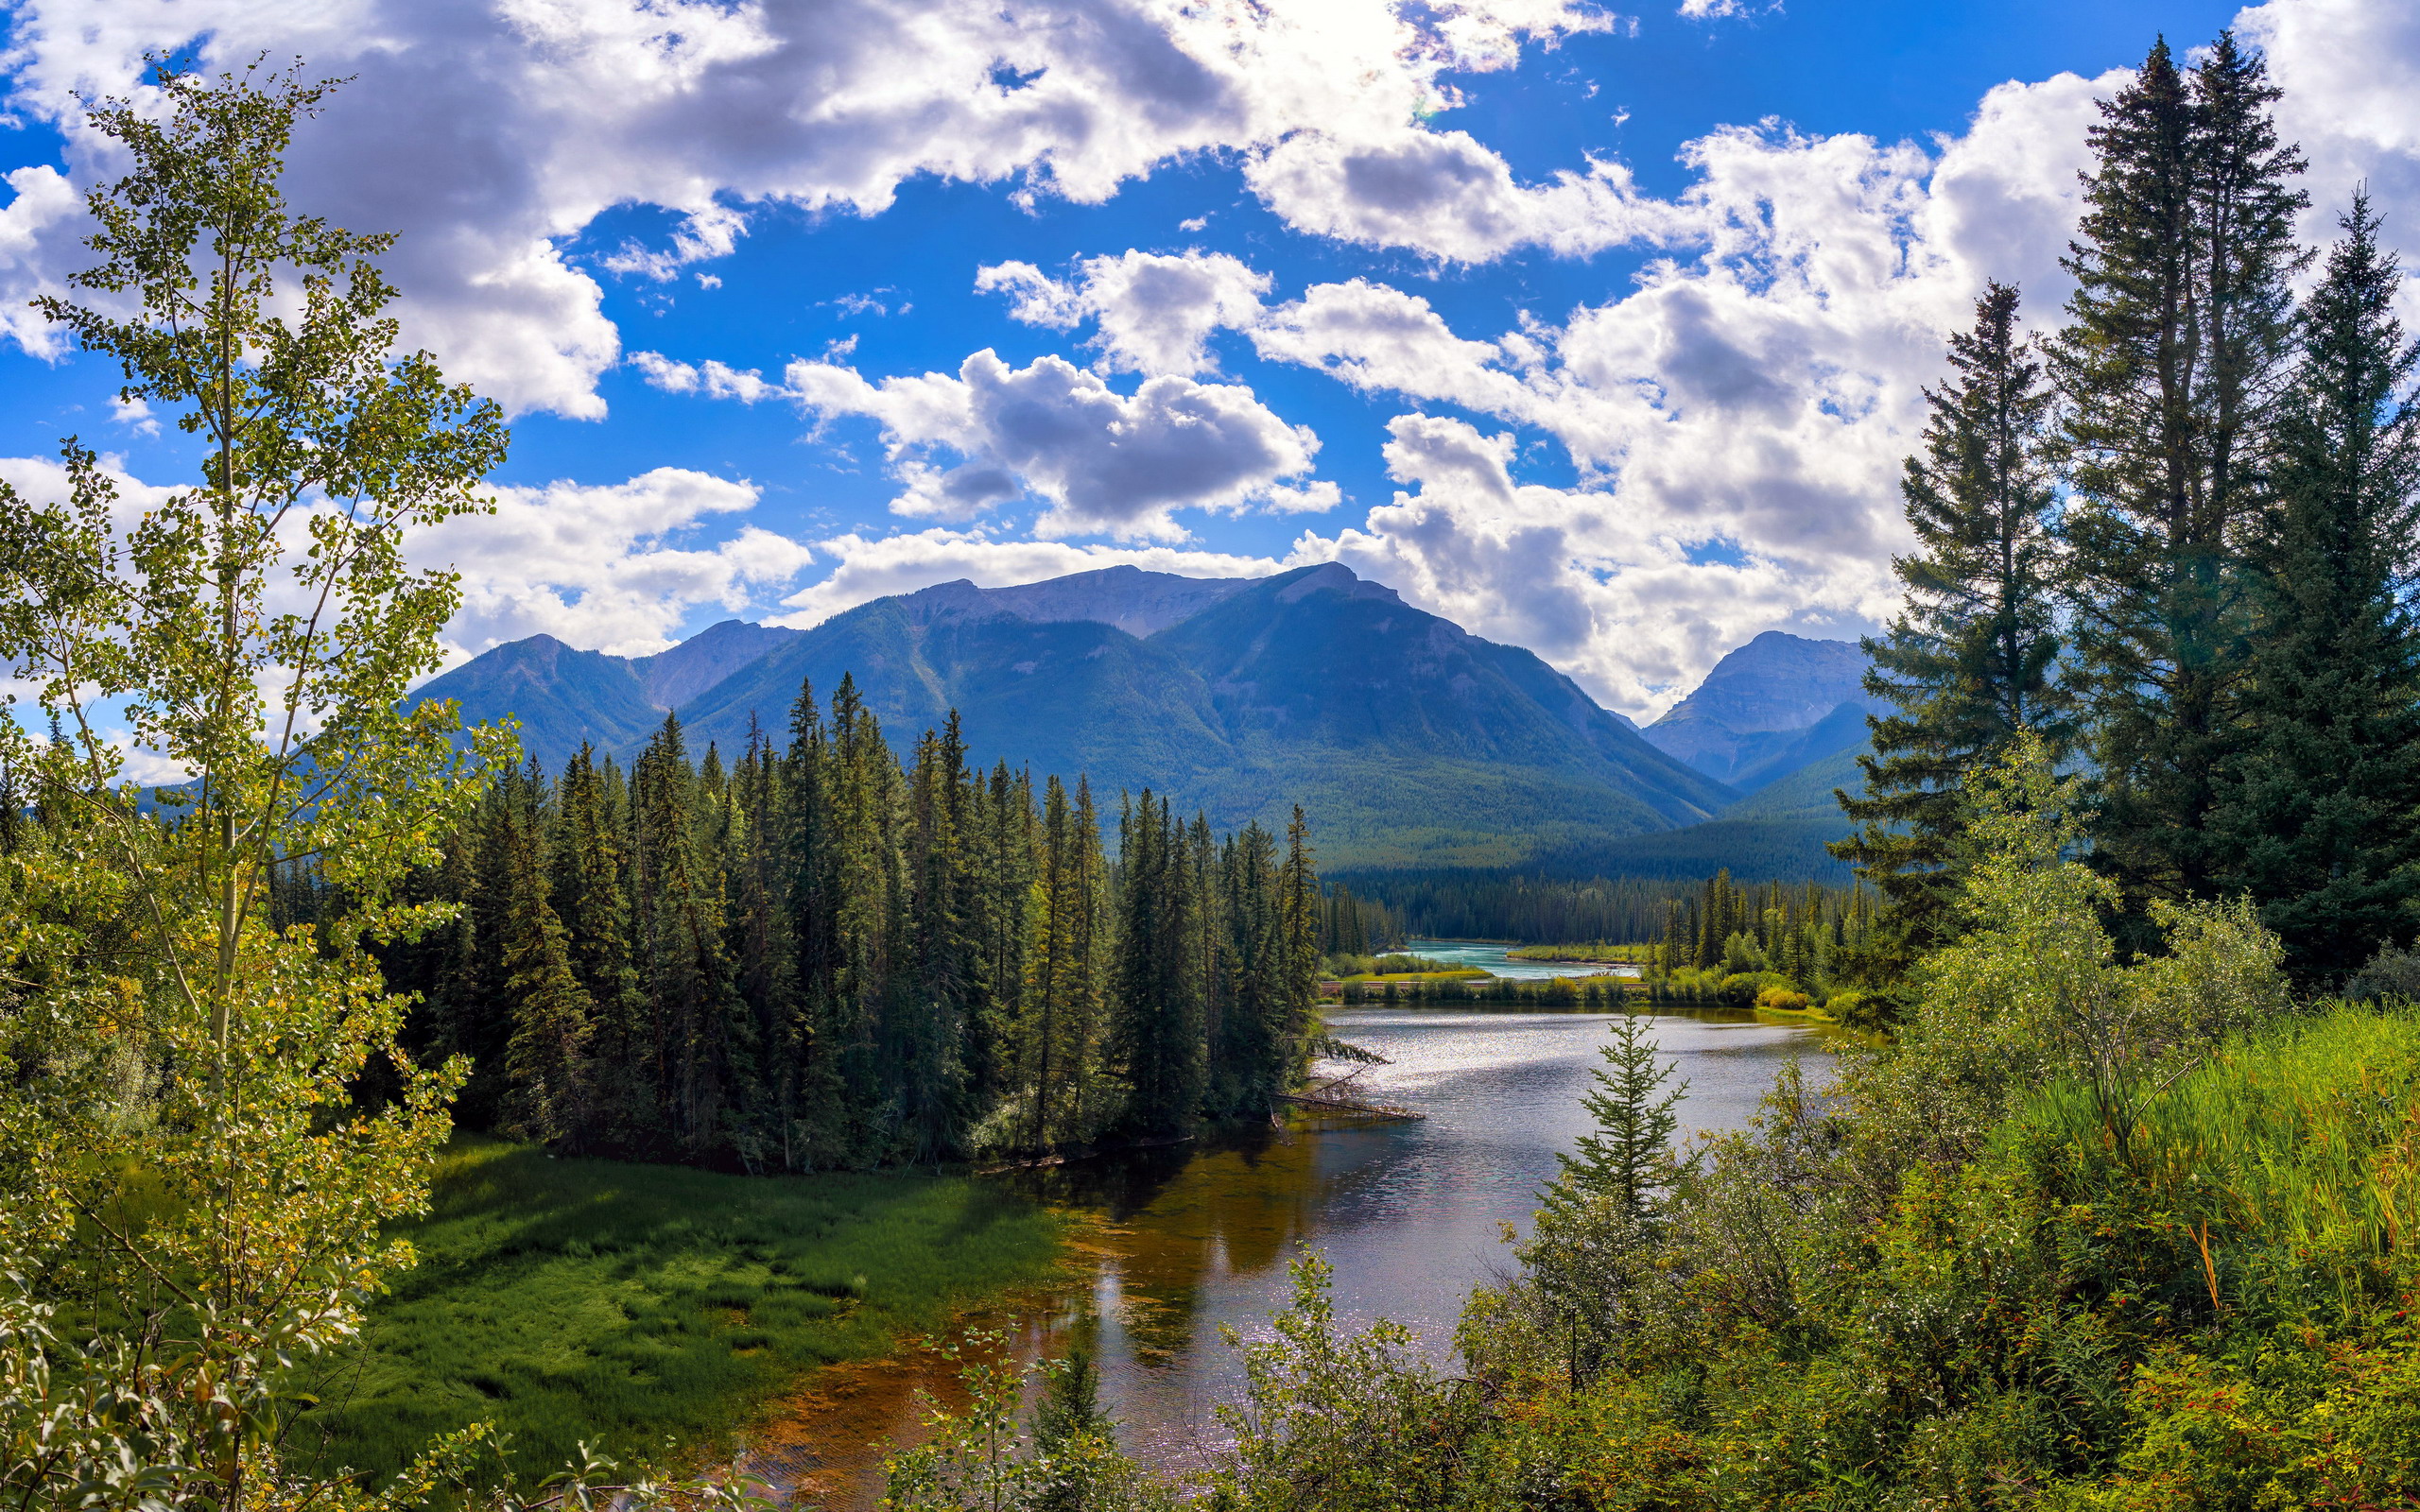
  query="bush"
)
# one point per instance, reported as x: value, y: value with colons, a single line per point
x: 2393, y: 976
x: 1741, y: 989
x: 1782, y: 998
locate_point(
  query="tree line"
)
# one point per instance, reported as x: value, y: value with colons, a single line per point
x: 1539, y: 910
x: 819, y: 957
x: 2175, y: 537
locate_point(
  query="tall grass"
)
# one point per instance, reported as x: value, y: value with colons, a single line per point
x: 629, y: 1305
x: 2292, y: 1156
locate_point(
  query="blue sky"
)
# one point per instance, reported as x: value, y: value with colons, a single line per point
x: 1600, y: 333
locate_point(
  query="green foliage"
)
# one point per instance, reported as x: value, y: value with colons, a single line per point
x: 1968, y: 662
x: 2313, y: 820
x: 579, y: 1300
x: 1340, y: 1420
x: 984, y: 1459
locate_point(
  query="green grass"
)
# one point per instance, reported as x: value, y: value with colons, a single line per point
x: 2295, y: 1149
x: 566, y: 1299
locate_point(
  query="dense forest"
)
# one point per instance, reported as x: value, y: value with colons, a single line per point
x: 814, y: 956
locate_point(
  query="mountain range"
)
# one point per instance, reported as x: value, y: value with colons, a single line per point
x: 1411, y: 742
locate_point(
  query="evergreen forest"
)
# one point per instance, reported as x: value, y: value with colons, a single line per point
x: 816, y: 958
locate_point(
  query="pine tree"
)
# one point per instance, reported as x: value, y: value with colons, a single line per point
x: 2171, y: 366
x: 1970, y: 659
x: 2320, y: 818
x: 1157, y: 1035
x: 591, y: 898
x: 1626, y: 1159
x: 545, y: 1060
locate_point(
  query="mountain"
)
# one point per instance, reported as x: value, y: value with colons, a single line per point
x: 1768, y: 708
x: 1409, y: 741
x: 564, y: 697
x: 673, y: 678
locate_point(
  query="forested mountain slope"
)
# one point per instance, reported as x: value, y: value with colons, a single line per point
x: 1413, y: 742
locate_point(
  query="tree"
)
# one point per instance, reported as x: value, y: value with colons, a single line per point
x: 1627, y: 1160
x: 2171, y: 367
x: 2319, y: 817
x: 545, y: 1058
x: 1157, y: 1042
x: 1970, y: 660
x: 179, y: 1133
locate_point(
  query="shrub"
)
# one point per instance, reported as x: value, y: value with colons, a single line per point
x: 1741, y: 989
x: 1783, y: 998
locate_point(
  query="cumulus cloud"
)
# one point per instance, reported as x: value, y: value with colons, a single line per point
x: 1106, y: 463
x: 489, y: 134
x: 1737, y: 416
x: 1572, y: 573
x: 1153, y: 312
x: 874, y: 568
x: 1446, y: 194
x: 600, y: 566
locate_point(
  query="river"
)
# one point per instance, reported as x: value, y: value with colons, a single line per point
x: 1409, y: 1215
x: 1495, y: 959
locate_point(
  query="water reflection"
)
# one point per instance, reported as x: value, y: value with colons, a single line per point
x: 1184, y: 1239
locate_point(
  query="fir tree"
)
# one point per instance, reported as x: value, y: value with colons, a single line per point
x: 2170, y: 367
x: 1970, y: 659
x: 545, y: 1060
x: 1157, y: 1042
x: 1627, y: 1160
x: 2320, y: 818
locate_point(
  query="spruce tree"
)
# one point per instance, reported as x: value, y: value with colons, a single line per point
x: 1158, y: 1043
x: 1627, y: 1157
x: 546, y: 1060
x: 2171, y: 367
x: 1970, y: 659
x: 2319, y: 819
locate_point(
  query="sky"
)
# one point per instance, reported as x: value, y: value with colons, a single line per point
x: 1600, y: 331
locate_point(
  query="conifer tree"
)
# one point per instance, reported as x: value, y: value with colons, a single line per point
x: 1970, y: 659
x: 1625, y: 1158
x: 1248, y: 1049
x: 546, y: 1060
x: 592, y: 900
x: 2171, y: 367
x: 2319, y: 819
x: 1157, y: 1042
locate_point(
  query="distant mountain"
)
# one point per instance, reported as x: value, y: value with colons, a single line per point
x: 673, y: 678
x: 1768, y: 708
x: 564, y: 697
x: 1410, y: 741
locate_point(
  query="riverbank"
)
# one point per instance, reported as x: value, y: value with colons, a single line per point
x: 654, y: 1308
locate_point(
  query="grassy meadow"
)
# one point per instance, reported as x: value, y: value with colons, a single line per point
x: 629, y: 1305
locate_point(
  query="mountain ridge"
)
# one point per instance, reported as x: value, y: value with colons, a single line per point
x: 1411, y: 741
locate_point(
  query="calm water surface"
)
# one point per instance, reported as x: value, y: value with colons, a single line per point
x: 1409, y: 1213
x: 1495, y: 958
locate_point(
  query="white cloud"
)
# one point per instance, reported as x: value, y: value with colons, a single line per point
x: 1445, y: 193
x: 1155, y: 312
x: 599, y: 566
x: 489, y: 133
x: 1106, y: 463
x: 1572, y: 573
x: 872, y: 569
x: 37, y: 230
x: 1736, y: 418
